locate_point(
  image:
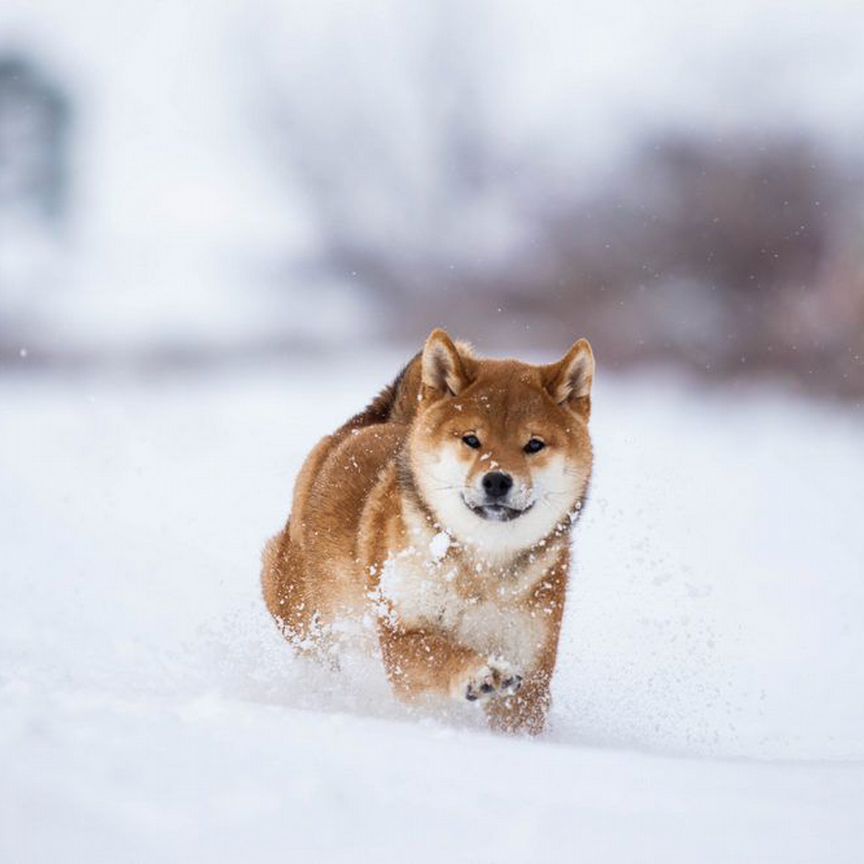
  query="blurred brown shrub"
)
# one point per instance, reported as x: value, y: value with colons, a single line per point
x: 728, y: 258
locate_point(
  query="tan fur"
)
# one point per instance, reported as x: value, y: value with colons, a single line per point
x: 392, y: 537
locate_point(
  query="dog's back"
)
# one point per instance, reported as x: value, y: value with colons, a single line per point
x: 329, y: 494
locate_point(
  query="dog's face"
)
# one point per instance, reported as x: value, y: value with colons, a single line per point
x: 499, y: 450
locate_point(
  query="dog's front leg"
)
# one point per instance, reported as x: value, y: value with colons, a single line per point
x: 524, y: 712
x: 425, y: 661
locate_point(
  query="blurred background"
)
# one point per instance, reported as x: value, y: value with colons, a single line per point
x: 224, y: 225
x: 205, y: 183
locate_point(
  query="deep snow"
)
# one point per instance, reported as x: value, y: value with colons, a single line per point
x: 709, y: 701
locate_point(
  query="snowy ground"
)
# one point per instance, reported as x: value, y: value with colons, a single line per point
x: 709, y: 703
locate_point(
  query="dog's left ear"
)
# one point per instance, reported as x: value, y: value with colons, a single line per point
x: 569, y: 380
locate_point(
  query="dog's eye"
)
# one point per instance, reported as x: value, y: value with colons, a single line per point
x: 472, y: 441
x: 535, y: 445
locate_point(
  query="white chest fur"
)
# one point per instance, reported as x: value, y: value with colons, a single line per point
x: 423, y: 587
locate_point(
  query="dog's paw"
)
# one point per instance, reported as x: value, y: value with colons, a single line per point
x: 496, y: 677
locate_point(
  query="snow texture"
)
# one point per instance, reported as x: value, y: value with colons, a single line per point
x: 709, y: 703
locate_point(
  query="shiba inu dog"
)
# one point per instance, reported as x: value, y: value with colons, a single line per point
x: 439, y: 520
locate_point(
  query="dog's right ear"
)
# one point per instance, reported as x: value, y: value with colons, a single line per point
x: 443, y: 368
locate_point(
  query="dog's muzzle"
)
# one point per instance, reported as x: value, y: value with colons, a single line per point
x: 497, y: 512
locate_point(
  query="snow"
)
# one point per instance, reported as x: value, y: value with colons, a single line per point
x: 710, y: 697
x: 439, y: 545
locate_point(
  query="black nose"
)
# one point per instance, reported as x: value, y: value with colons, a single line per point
x: 497, y: 484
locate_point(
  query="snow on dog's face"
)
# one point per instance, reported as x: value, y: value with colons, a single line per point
x: 499, y: 450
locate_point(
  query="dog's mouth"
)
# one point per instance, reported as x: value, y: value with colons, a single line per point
x: 497, y: 512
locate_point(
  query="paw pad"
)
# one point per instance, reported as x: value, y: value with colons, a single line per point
x: 495, y: 678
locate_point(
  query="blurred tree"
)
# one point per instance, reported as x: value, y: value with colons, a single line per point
x: 34, y: 124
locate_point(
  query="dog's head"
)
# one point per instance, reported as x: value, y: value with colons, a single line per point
x: 499, y: 450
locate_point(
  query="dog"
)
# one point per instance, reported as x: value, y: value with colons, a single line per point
x: 439, y: 519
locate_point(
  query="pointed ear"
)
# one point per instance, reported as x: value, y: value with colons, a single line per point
x: 443, y: 368
x: 569, y: 381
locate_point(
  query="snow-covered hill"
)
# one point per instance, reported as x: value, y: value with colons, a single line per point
x: 710, y: 697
